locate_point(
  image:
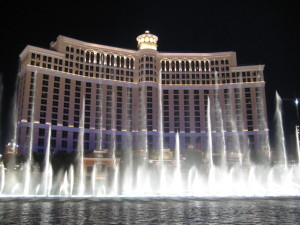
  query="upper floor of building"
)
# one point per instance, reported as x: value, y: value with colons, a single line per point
x: 146, y: 64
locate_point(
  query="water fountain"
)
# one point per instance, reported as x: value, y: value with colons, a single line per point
x: 280, y: 133
x: 242, y: 178
x: 47, y: 175
x: 28, y: 164
x: 80, y: 149
x: 1, y: 94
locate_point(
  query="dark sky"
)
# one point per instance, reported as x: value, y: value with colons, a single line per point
x: 261, y: 32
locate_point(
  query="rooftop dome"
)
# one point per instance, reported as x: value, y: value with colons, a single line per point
x: 147, y: 41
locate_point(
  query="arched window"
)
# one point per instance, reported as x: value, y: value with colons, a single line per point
x: 98, y: 58
x: 177, y: 65
x: 163, y: 65
x: 122, y: 61
x: 108, y: 60
x: 92, y: 57
x: 193, y: 65
x: 206, y: 66
x: 67, y: 48
x: 187, y: 64
x: 197, y: 66
x: 132, y: 63
x: 182, y: 65
x: 118, y: 61
x: 173, y: 66
x: 102, y: 59
x: 112, y: 59
x: 222, y: 62
x: 202, y: 66
x: 167, y: 65
x: 87, y: 56
x: 127, y: 62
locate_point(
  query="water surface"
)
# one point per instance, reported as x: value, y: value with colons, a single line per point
x: 149, y: 211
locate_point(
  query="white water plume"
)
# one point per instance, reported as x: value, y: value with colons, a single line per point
x: 181, y: 174
x: 282, y: 157
x: 47, y: 169
x: 28, y: 163
x: 81, y: 181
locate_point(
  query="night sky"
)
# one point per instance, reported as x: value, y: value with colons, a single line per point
x: 261, y: 32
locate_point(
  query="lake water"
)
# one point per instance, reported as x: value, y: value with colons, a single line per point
x: 150, y: 210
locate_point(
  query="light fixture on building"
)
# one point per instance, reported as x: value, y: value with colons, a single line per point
x: 147, y: 41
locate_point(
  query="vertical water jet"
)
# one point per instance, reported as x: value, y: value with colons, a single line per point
x: 209, y: 136
x: 282, y: 157
x: 1, y: 96
x: 297, y: 142
x: 47, y: 173
x: 80, y: 151
x: 28, y: 163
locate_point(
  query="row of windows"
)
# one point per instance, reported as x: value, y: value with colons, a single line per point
x: 66, y: 101
x: 215, y: 92
x: 46, y: 59
x: 109, y: 59
x: 198, y: 142
x: 72, y: 50
x: 92, y: 56
x: 228, y: 122
x: 77, y: 68
x: 119, y: 99
x: 194, y: 65
x: 147, y: 59
x: 222, y: 78
x: 209, y: 82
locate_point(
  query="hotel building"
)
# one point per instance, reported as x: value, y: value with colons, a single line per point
x: 121, y: 98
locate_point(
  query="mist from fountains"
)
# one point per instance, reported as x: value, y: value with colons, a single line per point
x: 162, y: 177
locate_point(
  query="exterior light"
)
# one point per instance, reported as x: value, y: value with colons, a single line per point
x: 296, y: 101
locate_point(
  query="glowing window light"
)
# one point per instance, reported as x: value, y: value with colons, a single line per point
x: 147, y: 46
x: 147, y: 41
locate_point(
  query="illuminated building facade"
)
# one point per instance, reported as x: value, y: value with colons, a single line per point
x: 120, y: 98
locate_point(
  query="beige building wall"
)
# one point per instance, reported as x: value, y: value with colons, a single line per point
x: 125, y: 98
